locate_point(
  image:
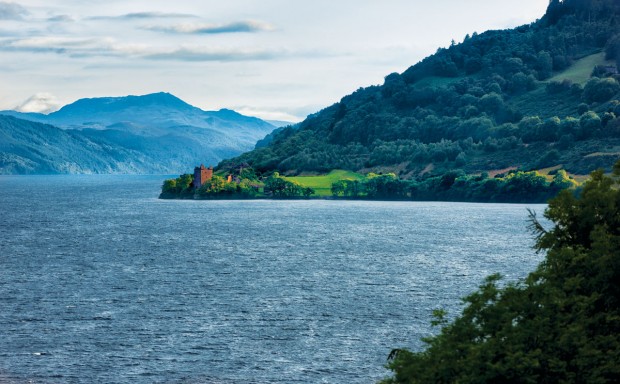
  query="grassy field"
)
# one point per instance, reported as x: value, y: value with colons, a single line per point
x: 322, y: 184
x: 546, y: 172
x: 581, y: 70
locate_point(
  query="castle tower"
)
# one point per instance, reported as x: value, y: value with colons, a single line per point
x: 201, y: 175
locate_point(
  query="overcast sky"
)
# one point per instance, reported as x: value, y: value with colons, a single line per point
x: 275, y: 59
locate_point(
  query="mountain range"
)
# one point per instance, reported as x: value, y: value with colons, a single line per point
x: 155, y: 133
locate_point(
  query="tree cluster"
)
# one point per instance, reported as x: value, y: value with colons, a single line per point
x: 560, y: 325
x: 515, y: 186
x: 278, y: 187
x: 244, y: 185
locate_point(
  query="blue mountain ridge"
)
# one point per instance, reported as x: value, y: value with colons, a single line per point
x: 158, y: 133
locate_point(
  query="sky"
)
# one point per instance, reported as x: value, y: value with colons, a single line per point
x: 274, y: 59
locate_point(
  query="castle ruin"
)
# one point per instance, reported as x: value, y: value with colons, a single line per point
x: 202, y: 175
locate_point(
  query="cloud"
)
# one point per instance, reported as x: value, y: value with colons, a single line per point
x: 61, y: 19
x: 275, y: 115
x: 234, y: 27
x: 95, y: 46
x: 211, y: 54
x: 145, y: 15
x: 12, y: 11
x: 100, y: 47
x: 42, y: 102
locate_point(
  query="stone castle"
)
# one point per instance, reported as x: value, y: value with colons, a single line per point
x: 202, y: 175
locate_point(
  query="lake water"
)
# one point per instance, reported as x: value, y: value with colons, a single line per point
x: 102, y: 282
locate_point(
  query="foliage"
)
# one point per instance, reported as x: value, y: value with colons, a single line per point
x: 278, y: 187
x: 600, y: 90
x: 322, y: 183
x: 181, y: 186
x: 478, y: 106
x: 348, y: 188
x: 218, y: 187
x: 560, y: 325
x: 245, y: 185
x: 451, y: 186
x: 455, y: 186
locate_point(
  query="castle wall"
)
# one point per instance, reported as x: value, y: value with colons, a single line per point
x: 201, y: 175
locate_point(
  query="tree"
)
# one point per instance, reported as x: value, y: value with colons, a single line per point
x: 307, y: 192
x: 169, y: 186
x: 461, y: 159
x: 337, y: 188
x: 544, y: 65
x: 275, y: 185
x: 600, y: 90
x: 582, y: 108
x: 590, y: 124
x: 491, y: 102
x: 559, y: 325
x: 278, y: 186
x: 179, y: 187
x: 561, y: 180
x: 612, y: 50
x: 353, y: 188
x: 184, y: 182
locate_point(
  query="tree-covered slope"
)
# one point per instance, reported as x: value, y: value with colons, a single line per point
x: 540, y: 95
x: 560, y: 325
x: 27, y: 147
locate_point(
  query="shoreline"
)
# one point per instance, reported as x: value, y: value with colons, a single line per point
x: 341, y: 198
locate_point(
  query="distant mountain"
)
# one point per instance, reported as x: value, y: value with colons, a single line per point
x: 279, y: 123
x: 28, y: 147
x: 540, y: 96
x: 173, y: 135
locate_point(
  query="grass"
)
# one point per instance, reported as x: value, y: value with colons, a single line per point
x: 580, y: 179
x: 546, y: 172
x: 322, y: 184
x: 581, y: 70
x: 539, y: 102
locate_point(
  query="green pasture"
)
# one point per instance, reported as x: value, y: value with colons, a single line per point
x: 581, y: 70
x: 322, y: 184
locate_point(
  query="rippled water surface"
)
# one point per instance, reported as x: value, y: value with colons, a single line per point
x: 102, y: 282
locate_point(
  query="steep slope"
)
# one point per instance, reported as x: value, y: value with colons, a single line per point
x: 33, y: 148
x: 498, y: 100
x: 160, y: 127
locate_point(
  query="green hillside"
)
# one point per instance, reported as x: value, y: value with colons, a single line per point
x: 540, y: 95
x: 581, y: 70
x: 322, y: 184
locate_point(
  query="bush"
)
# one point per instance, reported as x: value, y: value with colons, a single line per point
x: 559, y: 325
x: 559, y: 86
x: 600, y: 90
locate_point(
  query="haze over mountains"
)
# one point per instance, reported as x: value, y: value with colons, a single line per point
x: 155, y: 133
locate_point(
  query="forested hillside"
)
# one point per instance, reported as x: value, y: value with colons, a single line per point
x: 540, y: 95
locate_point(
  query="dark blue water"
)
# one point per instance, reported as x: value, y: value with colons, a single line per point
x: 102, y: 282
